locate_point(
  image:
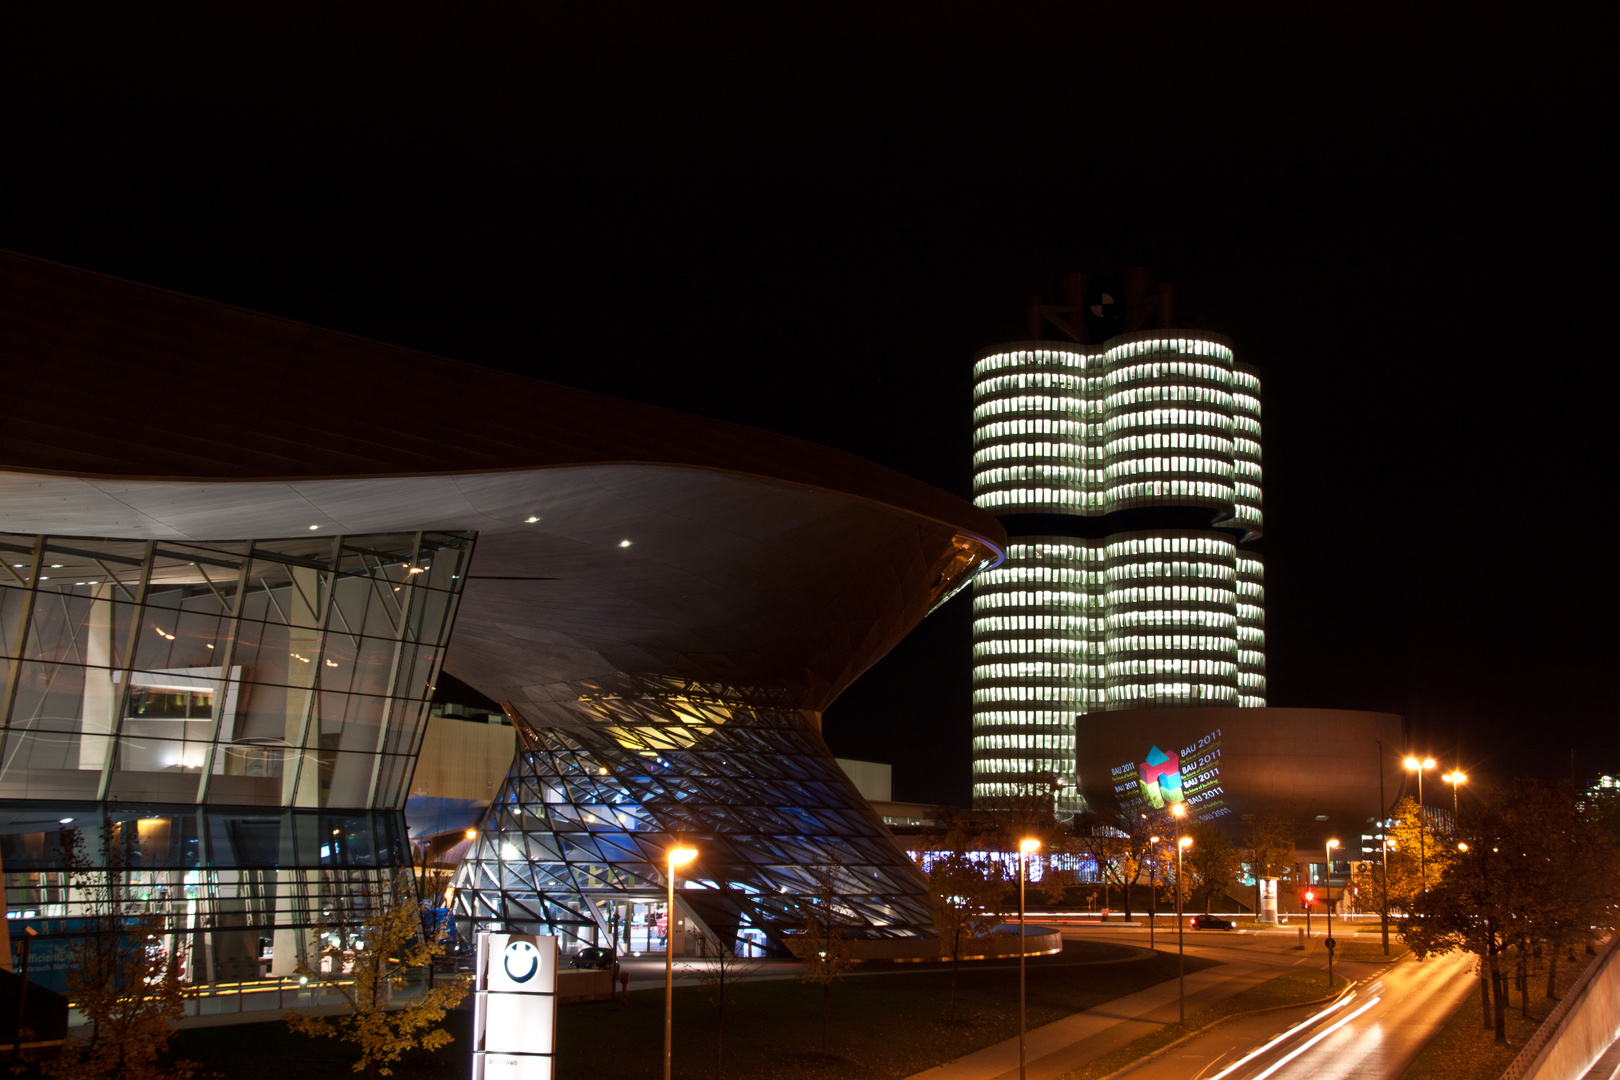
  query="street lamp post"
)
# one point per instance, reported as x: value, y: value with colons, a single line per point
x: 677, y: 856
x: 1153, y: 885
x: 1327, y: 902
x: 1383, y: 852
x: 1456, y: 778
x: 1182, y: 844
x: 1420, y: 767
x: 1025, y: 849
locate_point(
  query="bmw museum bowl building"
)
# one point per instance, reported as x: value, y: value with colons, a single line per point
x: 240, y: 551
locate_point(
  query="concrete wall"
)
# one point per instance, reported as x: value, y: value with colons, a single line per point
x: 875, y: 781
x: 1579, y: 1030
x: 583, y: 985
x: 1320, y: 767
x: 462, y: 760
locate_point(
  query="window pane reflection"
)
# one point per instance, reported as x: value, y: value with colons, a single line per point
x: 269, y: 672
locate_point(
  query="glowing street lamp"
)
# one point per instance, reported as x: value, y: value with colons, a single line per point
x: 1456, y: 779
x: 1420, y: 767
x: 1026, y: 848
x: 677, y: 856
x: 1182, y: 844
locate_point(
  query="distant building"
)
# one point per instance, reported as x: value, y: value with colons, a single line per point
x: 1127, y: 475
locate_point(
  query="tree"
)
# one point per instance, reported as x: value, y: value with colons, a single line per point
x: 1417, y: 855
x: 1570, y: 876
x: 719, y: 974
x: 1059, y: 885
x: 122, y: 975
x: 1119, y: 841
x: 1268, y: 848
x: 826, y: 952
x: 1212, y: 863
x: 377, y: 938
x: 1535, y: 871
x: 965, y: 895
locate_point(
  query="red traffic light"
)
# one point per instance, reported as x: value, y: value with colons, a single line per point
x: 1309, y: 896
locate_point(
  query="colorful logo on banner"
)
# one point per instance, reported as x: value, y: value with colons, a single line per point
x: 1160, y: 780
x: 1163, y: 778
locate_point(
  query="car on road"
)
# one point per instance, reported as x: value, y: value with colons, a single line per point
x: 1212, y: 922
x: 592, y: 957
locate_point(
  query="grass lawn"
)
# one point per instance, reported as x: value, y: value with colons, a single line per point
x: 1369, y: 952
x: 1464, y: 1050
x: 883, y: 1026
x: 1294, y: 988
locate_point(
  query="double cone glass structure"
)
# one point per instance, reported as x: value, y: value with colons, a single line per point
x: 240, y: 552
x: 1127, y: 475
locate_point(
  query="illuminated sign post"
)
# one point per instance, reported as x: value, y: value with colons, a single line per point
x: 514, y: 1007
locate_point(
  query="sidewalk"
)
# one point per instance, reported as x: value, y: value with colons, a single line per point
x: 1067, y: 1044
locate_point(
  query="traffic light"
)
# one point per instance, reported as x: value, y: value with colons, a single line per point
x: 1309, y: 896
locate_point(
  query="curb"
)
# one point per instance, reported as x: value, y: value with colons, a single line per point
x: 1161, y: 1051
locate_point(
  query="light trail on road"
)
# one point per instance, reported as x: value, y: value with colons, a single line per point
x: 1301, y: 1026
x: 1398, y: 1014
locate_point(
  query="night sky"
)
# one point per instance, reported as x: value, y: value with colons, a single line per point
x: 809, y: 220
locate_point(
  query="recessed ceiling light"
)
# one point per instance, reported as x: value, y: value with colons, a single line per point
x: 64, y: 821
x: 312, y: 528
x: 57, y: 565
x: 624, y: 543
x: 530, y: 520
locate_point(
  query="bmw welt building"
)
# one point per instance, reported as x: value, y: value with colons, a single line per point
x: 240, y: 551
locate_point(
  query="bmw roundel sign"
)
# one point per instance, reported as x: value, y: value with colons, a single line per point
x: 521, y: 961
x: 515, y: 1006
x: 520, y: 964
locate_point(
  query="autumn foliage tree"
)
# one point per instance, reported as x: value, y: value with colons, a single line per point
x: 1418, y: 855
x: 365, y: 955
x: 719, y: 972
x: 1212, y: 863
x: 965, y: 896
x: 825, y: 951
x: 121, y: 976
x: 1268, y: 848
x: 1534, y: 873
x: 1119, y: 841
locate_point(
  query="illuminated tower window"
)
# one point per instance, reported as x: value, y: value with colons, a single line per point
x: 1128, y: 476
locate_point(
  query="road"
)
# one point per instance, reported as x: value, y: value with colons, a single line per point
x: 1375, y: 1032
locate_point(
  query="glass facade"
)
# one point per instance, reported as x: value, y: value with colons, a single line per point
x: 1127, y: 475
x: 239, y: 719
x: 259, y: 673
x: 223, y: 880
x: 602, y: 786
